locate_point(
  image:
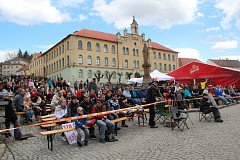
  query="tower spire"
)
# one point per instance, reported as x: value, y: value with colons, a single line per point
x: 134, y: 26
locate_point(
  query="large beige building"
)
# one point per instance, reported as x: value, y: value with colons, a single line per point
x: 10, y: 67
x: 82, y: 54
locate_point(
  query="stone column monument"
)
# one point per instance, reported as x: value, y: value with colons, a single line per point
x: 146, y: 65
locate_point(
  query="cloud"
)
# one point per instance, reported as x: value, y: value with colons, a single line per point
x: 188, y: 53
x: 163, y: 14
x: 82, y: 17
x: 30, y: 12
x: 199, y: 14
x: 6, y: 54
x: 45, y: 47
x: 231, y: 11
x: 225, y: 45
x: 212, y: 29
x: 70, y: 3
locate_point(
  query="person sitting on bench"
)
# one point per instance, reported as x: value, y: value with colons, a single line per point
x: 61, y: 112
x: 206, y: 108
x: 83, y: 133
x: 103, y: 123
x: 114, y: 105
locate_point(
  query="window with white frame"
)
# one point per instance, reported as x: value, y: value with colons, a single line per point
x: 80, y: 73
x: 89, y: 60
x: 154, y: 55
x: 98, y: 61
x: 80, y: 59
x: 79, y: 44
x: 160, y: 66
x: 113, y: 49
x: 105, y: 48
x: 89, y: 74
x: 126, y: 63
x: 114, y: 62
x: 89, y: 46
x: 106, y: 61
x: 97, y: 47
x: 155, y: 65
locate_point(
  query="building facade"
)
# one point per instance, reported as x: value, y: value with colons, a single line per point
x: 10, y: 67
x: 234, y: 64
x: 87, y: 53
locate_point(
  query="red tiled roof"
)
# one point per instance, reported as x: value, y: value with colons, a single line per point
x: 6, y: 63
x: 38, y: 55
x: 226, y: 63
x: 23, y: 68
x: 96, y: 35
x: 185, y: 61
x: 112, y: 38
x: 161, y: 47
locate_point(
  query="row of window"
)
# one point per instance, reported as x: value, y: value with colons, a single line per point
x: 37, y: 63
x: 126, y: 51
x: 9, y: 67
x: 164, y: 68
x: 136, y: 64
x: 164, y: 56
x: 97, y: 47
x: 55, y: 66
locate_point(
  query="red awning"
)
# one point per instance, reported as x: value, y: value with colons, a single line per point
x: 200, y: 71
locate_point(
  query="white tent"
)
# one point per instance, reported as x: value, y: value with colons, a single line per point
x: 134, y: 80
x: 160, y: 76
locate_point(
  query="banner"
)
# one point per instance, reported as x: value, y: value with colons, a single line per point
x: 71, y: 136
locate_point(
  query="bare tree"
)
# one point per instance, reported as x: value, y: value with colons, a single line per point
x: 129, y: 74
x: 98, y: 76
x: 11, y: 55
x: 119, y: 76
x: 109, y: 75
x: 137, y: 75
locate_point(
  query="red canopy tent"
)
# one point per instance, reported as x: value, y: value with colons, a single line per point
x: 201, y: 71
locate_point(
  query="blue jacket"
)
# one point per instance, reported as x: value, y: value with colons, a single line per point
x: 218, y: 92
x: 80, y: 122
x: 142, y: 93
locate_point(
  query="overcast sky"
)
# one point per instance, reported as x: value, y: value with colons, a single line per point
x: 195, y: 28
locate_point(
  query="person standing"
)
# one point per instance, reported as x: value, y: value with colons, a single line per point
x: 10, y: 116
x: 152, y: 93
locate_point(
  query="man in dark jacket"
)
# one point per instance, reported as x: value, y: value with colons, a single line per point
x: 10, y: 115
x: 205, y: 107
x: 152, y: 93
x: 87, y: 106
x: 72, y: 107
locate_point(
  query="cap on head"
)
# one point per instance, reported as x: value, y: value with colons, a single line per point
x: 74, y: 97
x: 79, y: 109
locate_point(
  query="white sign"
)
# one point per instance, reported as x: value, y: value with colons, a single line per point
x: 71, y: 136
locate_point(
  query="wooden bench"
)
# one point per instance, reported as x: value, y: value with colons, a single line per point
x: 51, y: 134
x: 47, y: 116
x: 49, y: 119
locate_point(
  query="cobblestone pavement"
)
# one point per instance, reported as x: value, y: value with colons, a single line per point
x: 204, y: 140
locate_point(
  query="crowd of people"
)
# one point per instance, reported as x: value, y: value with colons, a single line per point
x: 85, y: 98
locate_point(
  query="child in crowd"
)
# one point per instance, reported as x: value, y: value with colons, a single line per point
x: 83, y: 133
x: 28, y: 108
